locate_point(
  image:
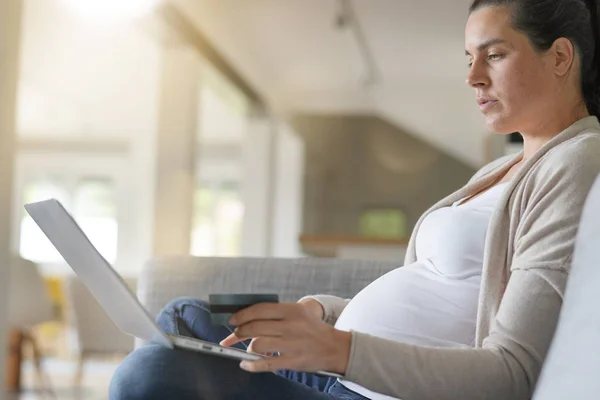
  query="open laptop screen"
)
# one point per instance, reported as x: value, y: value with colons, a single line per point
x: 95, y: 272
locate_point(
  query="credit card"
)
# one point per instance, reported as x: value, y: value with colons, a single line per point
x: 223, y: 306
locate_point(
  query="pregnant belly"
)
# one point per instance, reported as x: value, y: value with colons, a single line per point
x: 412, y: 304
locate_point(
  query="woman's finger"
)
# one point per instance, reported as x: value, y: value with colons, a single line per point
x: 250, y: 348
x: 266, y: 345
x: 253, y: 330
x: 264, y: 311
x: 269, y: 364
x: 261, y: 328
x: 230, y: 340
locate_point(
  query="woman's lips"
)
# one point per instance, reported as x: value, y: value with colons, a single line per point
x: 486, y: 105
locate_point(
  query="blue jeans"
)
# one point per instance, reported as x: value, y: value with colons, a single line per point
x: 155, y: 372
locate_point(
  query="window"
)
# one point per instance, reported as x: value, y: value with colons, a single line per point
x: 218, y: 220
x: 383, y: 223
x: 95, y: 209
x: 90, y: 200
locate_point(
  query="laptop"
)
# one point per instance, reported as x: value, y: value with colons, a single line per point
x: 109, y: 289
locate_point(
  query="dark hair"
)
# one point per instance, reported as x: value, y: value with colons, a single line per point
x: 544, y: 21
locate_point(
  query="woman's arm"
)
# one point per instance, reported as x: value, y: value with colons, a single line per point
x: 332, y: 306
x: 506, y: 367
x: 313, y: 306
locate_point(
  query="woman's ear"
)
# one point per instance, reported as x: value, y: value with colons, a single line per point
x: 563, y: 56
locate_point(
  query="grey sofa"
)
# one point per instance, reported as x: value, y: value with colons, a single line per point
x: 167, y: 278
x: 572, y: 370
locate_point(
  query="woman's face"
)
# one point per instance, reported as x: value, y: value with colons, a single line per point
x: 513, y: 82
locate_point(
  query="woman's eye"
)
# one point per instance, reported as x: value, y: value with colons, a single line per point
x: 490, y: 57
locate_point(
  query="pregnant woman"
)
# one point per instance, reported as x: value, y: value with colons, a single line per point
x: 472, y: 313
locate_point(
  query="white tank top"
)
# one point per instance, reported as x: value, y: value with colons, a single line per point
x: 432, y: 302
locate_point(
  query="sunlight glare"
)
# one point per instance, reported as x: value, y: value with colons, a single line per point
x: 111, y: 11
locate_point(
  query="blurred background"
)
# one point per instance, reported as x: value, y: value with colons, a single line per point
x: 261, y: 128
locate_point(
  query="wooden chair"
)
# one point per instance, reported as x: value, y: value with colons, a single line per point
x: 29, y: 305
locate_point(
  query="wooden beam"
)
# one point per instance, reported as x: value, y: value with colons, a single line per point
x: 190, y: 34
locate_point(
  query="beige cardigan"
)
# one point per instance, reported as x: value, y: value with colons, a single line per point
x: 527, y: 258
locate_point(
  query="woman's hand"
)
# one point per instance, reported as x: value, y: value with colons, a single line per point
x: 295, y: 331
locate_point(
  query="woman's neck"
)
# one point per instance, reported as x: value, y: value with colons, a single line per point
x: 534, y: 139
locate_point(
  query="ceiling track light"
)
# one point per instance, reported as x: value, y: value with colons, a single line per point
x: 345, y: 19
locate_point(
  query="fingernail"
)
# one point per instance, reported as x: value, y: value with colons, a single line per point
x: 245, y: 365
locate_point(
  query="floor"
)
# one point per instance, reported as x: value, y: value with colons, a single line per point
x: 59, y: 363
x: 96, y: 378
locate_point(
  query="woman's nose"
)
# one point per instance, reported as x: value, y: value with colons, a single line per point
x: 477, y: 76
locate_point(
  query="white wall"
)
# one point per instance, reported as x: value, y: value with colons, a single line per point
x: 288, y: 193
x: 445, y: 115
x: 257, y: 186
x: 273, y: 189
x: 79, y: 78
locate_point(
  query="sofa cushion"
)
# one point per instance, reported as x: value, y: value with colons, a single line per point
x: 166, y: 278
x: 572, y: 367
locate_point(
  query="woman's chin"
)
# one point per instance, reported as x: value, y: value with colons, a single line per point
x: 499, y: 124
